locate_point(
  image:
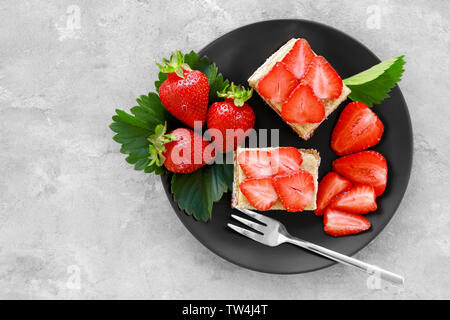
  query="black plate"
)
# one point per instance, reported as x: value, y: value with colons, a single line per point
x: 238, y: 54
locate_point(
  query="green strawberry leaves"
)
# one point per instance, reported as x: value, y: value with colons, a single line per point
x: 132, y: 131
x: 158, y: 142
x: 373, y: 85
x: 195, y: 192
x: 174, y: 64
x: 238, y: 93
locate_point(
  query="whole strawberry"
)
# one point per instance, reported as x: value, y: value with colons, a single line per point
x: 185, y: 92
x: 182, y: 150
x: 232, y: 118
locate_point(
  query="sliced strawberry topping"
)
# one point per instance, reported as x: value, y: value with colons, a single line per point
x: 277, y: 84
x: 285, y: 159
x: 295, y: 189
x: 302, y: 106
x: 324, y: 80
x: 330, y: 185
x: 358, y: 199
x: 255, y: 163
x: 259, y: 192
x: 366, y: 167
x: 299, y: 58
x: 357, y: 129
x: 339, y: 223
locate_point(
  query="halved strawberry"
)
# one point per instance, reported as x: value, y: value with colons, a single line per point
x: 277, y: 84
x: 339, y: 223
x: 365, y: 167
x: 255, y: 163
x: 285, y: 159
x: 358, y: 199
x: 298, y: 58
x: 330, y: 185
x: 259, y: 192
x: 302, y: 106
x: 357, y: 129
x: 324, y: 80
x: 295, y: 189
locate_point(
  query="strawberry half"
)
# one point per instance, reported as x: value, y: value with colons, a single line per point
x: 259, y: 192
x: 339, y: 223
x: 324, y: 80
x: 255, y: 163
x: 330, y: 185
x: 358, y: 199
x: 357, y: 129
x: 285, y: 159
x: 302, y: 106
x: 298, y: 58
x: 295, y: 189
x: 366, y: 167
x: 277, y: 84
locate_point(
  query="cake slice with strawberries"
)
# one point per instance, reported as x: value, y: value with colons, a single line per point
x: 300, y: 86
x: 283, y: 178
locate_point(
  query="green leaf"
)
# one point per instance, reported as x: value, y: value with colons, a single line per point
x: 161, y: 78
x: 373, y: 85
x: 196, y: 192
x: 132, y: 131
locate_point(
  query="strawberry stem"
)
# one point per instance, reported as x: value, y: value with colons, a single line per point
x: 157, y: 144
x: 238, y: 93
x: 174, y: 65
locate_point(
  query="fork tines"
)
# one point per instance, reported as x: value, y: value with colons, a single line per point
x: 257, y: 228
x: 244, y: 232
x: 265, y: 220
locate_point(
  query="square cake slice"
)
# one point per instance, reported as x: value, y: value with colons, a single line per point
x: 305, y: 130
x: 311, y: 163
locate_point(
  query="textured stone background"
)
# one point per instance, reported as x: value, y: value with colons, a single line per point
x: 70, y: 205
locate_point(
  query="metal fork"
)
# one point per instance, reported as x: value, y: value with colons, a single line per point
x: 273, y: 233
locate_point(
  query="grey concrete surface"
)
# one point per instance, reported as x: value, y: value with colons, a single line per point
x: 77, y: 222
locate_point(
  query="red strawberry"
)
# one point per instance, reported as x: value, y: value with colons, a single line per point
x: 233, y: 118
x: 358, y: 199
x: 255, y: 163
x: 295, y: 189
x: 339, y: 223
x: 285, y: 159
x: 277, y: 84
x: 181, y: 150
x: 185, y: 92
x: 302, y: 106
x: 366, y: 167
x: 298, y: 58
x: 324, y: 80
x: 357, y: 129
x: 330, y: 185
x: 259, y: 192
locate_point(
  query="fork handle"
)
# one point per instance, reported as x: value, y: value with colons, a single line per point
x: 336, y: 256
